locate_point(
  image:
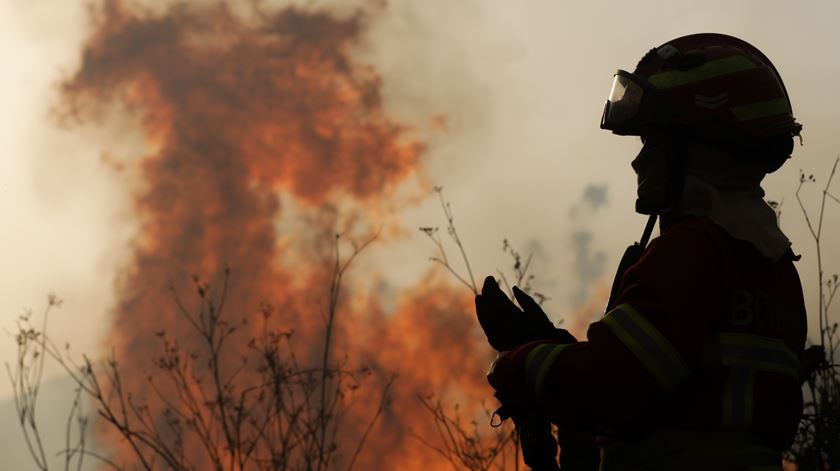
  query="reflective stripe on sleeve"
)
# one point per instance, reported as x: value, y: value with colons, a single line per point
x: 675, y: 78
x: 651, y: 348
x: 538, y: 363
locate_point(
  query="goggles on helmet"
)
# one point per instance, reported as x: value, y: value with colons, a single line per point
x: 633, y: 105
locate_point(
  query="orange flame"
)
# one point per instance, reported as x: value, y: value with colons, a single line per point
x: 238, y: 112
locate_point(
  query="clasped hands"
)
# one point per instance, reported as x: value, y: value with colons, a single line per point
x: 511, y: 331
x: 508, y: 327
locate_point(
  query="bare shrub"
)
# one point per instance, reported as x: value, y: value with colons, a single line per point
x: 270, y: 412
x: 817, y: 444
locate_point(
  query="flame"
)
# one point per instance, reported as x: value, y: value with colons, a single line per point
x: 436, y: 350
x: 590, y: 310
x: 245, y: 118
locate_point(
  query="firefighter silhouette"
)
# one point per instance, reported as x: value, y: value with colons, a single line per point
x: 696, y: 363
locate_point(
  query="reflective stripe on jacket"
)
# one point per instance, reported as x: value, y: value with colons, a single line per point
x: 676, y: 450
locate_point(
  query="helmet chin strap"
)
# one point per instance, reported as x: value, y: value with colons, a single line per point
x: 677, y: 167
x: 631, y: 256
x: 651, y: 222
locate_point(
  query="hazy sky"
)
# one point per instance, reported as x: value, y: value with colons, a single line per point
x: 522, y: 85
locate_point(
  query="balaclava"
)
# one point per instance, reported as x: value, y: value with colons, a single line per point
x: 729, y: 193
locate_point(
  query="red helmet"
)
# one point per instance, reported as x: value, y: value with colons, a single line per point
x: 713, y: 85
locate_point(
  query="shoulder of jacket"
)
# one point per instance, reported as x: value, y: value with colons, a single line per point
x: 699, y: 233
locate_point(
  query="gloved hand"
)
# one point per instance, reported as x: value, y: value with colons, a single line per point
x: 506, y: 376
x: 506, y: 326
x: 539, y: 449
x: 578, y: 450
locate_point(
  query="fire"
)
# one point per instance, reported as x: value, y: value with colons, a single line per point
x: 246, y: 116
x: 591, y: 310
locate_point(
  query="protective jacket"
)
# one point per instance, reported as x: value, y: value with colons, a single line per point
x: 705, y: 340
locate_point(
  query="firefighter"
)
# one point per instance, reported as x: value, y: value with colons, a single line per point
x: 696, y: 364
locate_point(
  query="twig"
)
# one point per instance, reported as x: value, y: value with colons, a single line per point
x: 432, y: 232
x: 335, y: 289
x: 817, y: 442
x: 384, y: 400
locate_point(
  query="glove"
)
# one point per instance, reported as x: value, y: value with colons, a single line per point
x: 506, y: 326
x: 539, y: 448
x: 507, y: 376
x: 578, y: 450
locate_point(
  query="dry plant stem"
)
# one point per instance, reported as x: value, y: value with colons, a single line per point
x: 816, y: 235
x: 79, y: 448
x: 507, y: 285
x: 468, y: 281
x: 217, y: 334
x: 275, y: 421
x: 463, y: 449
x: 102, y: 459
x: 339, y: 270
x: 89, y: 384
x: 520, y: 270
x: 459, y: 447
x: 384, y: 401
x: 450, y: 219
x: 26, y: 382
x: 445, y: 262
x: 525, y: 269
x: 817, y: 444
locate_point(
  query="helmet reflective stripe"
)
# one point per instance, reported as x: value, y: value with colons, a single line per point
x: 675, y: 78
x: 537, y: 364
x: 752, y: 351
x: 648, y: 345
x: 761, y: 109
x: 737, y: 403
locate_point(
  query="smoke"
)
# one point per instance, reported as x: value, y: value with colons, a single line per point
x: 593, y: 198
x: 265, y: 135
x: 588, y: 264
